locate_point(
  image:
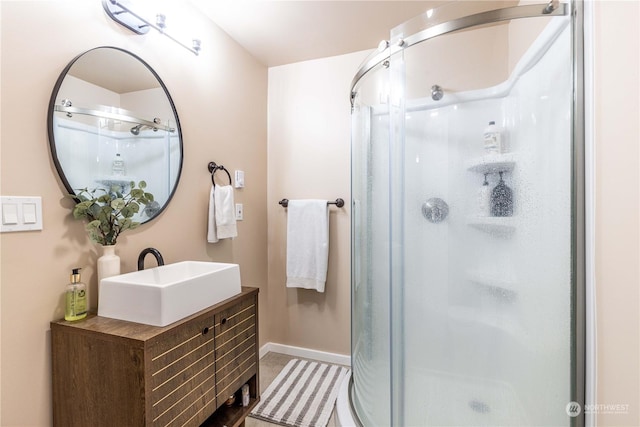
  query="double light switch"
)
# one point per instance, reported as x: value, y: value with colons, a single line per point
x: 21, y: 214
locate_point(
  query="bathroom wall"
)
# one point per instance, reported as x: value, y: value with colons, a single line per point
x: 309, y: 158
x: 221, y: 99
x: 617, y: 239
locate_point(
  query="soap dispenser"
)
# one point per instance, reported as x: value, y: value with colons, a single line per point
x: 75, y: 297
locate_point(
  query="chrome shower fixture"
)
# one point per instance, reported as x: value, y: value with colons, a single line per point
x: 67, y: 103
x: 436, y: 93
x: 136, y: 130
x: 551, y: 6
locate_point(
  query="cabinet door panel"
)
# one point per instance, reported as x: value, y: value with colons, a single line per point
x: 183, y: 374
x: 235, y: 347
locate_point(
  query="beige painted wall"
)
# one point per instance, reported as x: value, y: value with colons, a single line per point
x: 309, y: 158
x: 617, y: 136
x: 221, y: 98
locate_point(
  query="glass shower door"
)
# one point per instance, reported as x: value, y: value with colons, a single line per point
x: 370, y: 250
x: 481, y: 274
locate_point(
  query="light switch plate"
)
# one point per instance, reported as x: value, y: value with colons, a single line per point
x: 21, y: 213
x: 239, y: 175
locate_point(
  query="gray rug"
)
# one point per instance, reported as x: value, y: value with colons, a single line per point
x: 302, y: 395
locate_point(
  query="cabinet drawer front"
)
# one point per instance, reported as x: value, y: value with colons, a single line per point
x: 183, y: 374
x: 235, y: 347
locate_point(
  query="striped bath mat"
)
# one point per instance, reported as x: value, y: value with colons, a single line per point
x: 302, y: 395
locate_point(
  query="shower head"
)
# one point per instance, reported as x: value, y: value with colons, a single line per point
x: 136, y: 129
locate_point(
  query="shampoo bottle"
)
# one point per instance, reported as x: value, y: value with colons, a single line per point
x: 117, y: 166
x: 75, y: 297
x: 492, y: 139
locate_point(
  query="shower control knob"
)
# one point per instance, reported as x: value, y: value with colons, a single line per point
x: 435, y: 210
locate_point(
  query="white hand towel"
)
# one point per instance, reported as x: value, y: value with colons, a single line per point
x: 225, y: 214
x: 307, y: 244
x: 212, y: 236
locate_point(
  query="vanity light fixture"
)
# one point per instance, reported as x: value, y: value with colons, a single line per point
x: 161, y: 22
x: 121, y: 12
x: 196, y: 45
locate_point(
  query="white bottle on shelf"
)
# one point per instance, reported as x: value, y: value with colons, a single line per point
x: 117, y: 166
x: 493, y: 139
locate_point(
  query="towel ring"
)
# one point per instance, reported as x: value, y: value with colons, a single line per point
x: 213, y: 167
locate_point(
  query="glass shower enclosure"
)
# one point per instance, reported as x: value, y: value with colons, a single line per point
x: 467, y: 220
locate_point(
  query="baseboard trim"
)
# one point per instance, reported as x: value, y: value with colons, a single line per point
x: 323, y: 356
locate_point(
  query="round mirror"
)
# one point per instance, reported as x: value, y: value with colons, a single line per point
x: 111, y: 122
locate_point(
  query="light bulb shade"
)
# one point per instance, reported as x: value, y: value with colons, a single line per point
x: 161, y: 21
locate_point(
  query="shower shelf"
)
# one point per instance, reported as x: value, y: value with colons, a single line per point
x: 496, y: 226
x: 120, y: 181
x: 492, y: 163
x: 501, y: 322
x: 495, y: 287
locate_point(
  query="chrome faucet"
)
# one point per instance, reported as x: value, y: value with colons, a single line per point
x: 152, y: 251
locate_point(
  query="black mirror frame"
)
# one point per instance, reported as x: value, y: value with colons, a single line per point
x: 51, y: 136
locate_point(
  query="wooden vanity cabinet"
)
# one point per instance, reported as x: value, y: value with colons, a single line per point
x: 109, y: 372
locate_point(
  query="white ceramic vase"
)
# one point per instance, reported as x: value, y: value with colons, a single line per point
x: 108, y: 263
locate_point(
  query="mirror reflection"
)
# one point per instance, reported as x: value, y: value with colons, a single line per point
x: 111, y: 122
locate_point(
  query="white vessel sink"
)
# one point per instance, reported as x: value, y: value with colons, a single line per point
x: 162, y: 295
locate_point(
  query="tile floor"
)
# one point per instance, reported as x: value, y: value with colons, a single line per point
x: 270, y: 366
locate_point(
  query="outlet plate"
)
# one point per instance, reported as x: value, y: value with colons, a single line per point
x: 239, y: 212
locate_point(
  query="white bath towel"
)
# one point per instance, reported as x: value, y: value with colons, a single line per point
x: 307, y: 244
x: 212, y: 235
x: 225, y: 214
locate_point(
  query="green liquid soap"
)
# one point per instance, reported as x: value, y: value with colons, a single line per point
x: 75, y: 298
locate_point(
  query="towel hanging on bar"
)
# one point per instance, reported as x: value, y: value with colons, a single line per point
x: 307, y: 244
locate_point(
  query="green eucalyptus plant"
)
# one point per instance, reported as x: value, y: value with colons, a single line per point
x: 111, y: 212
